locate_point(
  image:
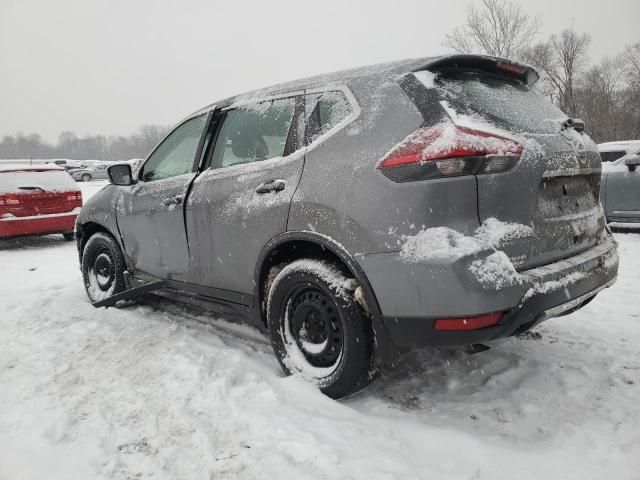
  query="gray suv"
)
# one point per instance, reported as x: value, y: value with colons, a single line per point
x: 433, y: 201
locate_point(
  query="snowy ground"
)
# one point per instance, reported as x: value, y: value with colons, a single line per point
x: 157, y: 391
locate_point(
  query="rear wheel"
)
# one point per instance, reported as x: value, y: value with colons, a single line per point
x: 86, y: 177
x: 318, y: 330
x: 69, y: 236
x: 102, y: 267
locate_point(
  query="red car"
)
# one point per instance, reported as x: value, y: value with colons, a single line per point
x: 37, y: 200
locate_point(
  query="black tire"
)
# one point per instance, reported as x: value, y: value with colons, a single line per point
x: 103, y: 267
x: 337, y: 351
x: 86, y: 177
x: 70, y: 236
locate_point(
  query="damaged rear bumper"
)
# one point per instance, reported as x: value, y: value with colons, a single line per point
x: 549, y: 291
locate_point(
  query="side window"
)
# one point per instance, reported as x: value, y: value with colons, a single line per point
x: 612, y: 156
x: 324, y: 111
x: 176, y: 153
x: 253, y: 133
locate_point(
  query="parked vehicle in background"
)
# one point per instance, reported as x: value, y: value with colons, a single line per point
x: 86, y: 174
x: 37, y: 200
x: 612, y: 151
x: 67, y: 164
x: 620, y: 184
x: 437, y: 201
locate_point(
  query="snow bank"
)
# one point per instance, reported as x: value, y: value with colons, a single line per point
x: 160, y: 391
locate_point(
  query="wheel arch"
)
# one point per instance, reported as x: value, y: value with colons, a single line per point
x: 290, y: 246
x: 85, y: 230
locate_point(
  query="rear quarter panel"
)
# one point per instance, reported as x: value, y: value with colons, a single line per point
x: 344, y: 196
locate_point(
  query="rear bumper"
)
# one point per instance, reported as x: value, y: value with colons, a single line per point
x: 38, y: 224
x: 543, y: 293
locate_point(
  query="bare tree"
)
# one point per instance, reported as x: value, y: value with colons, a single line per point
x: 631, y: 95
x: 96, y: 147
x: 598, y: 99
x: 632, y: 59
x: 562, y: 59
x: 496, y: 27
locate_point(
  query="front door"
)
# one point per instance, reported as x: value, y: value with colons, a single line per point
x: 242, y: 199
x: 151, y: 213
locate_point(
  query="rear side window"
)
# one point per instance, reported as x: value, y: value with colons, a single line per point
x: 612, y: 156
x: 502, y: 101
x: 324, y: 111
x: 24, y: 181
x: 253, y: 133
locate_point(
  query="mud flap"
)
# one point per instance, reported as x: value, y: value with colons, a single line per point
x: 129, y: 294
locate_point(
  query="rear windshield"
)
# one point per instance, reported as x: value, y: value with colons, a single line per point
x: 23, y: 181
x: 507, y: 103
x: 612, y: 156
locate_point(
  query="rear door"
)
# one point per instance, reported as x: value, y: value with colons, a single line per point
x: 553, y: 188
x: 151, y: 213
x: 241, y: 200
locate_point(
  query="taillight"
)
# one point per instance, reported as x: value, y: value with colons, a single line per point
x: 75, y: 198
x: 8, y: 203
x: 448, y: 150
x: 468, y: 323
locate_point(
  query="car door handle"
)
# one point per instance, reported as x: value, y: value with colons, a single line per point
x: 271, y: 186
x: 176, y: 200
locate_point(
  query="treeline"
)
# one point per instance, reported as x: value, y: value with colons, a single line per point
x: 97, y: 147
x: 605, y: 94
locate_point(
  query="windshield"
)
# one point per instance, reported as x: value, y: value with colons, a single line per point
x: 507, y: 103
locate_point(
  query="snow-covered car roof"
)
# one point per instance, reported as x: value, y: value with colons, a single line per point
x: 626, y: 145
x: 388, y: 70
x: 16, y: 167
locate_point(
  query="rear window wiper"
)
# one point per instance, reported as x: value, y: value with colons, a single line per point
x: 575, y: 123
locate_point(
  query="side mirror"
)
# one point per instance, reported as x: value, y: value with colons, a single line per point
x: 632, y: 162
x: 120, y: 174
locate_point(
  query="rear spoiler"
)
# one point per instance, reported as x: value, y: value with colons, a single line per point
x: 485, y: 63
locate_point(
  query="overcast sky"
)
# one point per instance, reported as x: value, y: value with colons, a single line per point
x: 109, y: 66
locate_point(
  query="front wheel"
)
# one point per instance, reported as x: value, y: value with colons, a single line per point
x: 86, y: 177
x: 69, y: 236
x: 103, y: 267
x: 317, y: 329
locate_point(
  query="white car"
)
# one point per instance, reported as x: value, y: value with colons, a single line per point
x: 620, y: 182
x: 96, y: 172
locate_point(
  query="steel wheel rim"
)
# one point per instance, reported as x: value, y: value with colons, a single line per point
x: 315, y: 326
x: 103, y: 270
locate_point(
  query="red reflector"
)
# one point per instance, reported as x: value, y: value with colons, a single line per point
x: 511, y: 69
x: 447, y: 141
x: 11, y: 199
x: 468, y: 323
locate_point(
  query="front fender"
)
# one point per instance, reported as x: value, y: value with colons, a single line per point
x: 99, y: 213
